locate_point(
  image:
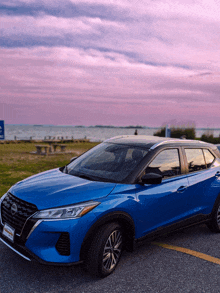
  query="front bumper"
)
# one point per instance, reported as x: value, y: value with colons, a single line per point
x: 26, y: 254
x: 41, y: 243
x: 16, y: 248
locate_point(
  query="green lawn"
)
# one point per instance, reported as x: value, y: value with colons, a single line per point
x: 16, y: 162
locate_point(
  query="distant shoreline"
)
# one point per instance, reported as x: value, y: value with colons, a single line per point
x: 112, y: 126
x: 93, y: 133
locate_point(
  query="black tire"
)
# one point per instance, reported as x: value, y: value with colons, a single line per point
x: 214, y: 224
x: 105, y: 250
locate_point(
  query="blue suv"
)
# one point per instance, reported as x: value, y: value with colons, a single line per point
x: 118, y: 193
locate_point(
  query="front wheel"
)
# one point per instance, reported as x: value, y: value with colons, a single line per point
x: 105, y: 250
x: 214, y: 224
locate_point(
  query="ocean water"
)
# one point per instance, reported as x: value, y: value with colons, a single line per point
x: 79, y: 132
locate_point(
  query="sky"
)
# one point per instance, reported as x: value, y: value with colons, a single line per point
x: 110, y: 62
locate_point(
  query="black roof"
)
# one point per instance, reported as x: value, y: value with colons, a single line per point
x: 151, y: 142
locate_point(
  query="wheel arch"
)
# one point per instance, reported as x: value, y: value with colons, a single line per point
x: 216, y: 202
x: 124, y: 220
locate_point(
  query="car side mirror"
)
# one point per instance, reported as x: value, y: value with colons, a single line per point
x: 151, y: 178
x: 72, y: 159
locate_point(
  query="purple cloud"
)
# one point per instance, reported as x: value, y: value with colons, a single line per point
x: 117, y: 62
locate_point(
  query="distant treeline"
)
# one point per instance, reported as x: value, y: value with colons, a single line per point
x: 111, y: 126
x: 188, y: 133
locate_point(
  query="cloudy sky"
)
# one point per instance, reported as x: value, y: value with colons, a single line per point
x: 118, y: 62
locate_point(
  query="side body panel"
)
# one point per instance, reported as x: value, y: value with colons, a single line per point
x: 204, y: 188
x: 162, y: 204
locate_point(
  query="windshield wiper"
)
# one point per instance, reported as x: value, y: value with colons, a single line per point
x: 95, y: 178
x: 85, y: 177
x: 92, y: 178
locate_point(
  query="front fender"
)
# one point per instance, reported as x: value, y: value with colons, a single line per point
x: 121, y: 217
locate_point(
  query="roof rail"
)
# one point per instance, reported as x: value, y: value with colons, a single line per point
x: 175, y: 140
x: 116, y: 137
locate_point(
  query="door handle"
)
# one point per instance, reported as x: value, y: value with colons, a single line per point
x: 217, y: 174
x: 182, y: 189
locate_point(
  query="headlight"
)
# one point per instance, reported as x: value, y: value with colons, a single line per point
x: 73, y: 211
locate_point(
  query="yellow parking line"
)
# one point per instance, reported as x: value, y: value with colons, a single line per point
x: 189, y: 251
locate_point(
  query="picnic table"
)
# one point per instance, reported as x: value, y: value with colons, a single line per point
x: 51, y: 142
x: 52, y: 147
x: 39, y: 149
x: 62, y: 147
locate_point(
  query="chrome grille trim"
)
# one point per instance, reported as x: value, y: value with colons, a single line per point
x: 34, y: 227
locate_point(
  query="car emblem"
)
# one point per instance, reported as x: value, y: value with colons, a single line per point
x: 14, y: 209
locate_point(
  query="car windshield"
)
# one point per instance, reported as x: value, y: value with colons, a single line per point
x: 107, y: 162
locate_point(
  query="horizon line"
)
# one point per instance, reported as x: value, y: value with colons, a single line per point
x: 111, y: 126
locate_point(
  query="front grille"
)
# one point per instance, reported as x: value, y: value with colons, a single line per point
x: 63, y: 244
x: 24, y: 211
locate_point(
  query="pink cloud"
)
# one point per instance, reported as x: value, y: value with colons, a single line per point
x: 160, y: 63
x: 53, y: 85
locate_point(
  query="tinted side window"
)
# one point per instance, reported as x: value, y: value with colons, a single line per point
x: 209, y: 158
x: 195, y: 159
x: 166, y: 163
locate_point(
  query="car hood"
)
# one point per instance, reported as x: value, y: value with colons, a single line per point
x: 54, y: 189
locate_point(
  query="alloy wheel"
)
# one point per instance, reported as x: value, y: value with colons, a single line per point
x: 218, y: 216
x: 112, y: 250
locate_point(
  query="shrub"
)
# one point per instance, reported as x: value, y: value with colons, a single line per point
x: 210, y: 138
x: 178, y: 132
x: 160, y: 132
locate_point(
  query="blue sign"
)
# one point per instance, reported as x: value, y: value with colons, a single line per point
x: 167, y: 131
x: 2, y: 129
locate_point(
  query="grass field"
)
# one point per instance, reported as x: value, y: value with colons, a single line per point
x: 16, y: 162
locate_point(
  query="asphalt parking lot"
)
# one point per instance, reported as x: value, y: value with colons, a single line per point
x: 151, y: 268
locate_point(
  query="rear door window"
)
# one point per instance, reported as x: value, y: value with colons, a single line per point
x: 209, y: 158
x: 195, y: 160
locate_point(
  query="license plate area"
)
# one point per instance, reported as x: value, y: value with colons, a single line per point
x: 8, y: 232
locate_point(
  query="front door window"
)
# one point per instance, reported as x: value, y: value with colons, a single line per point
x: 166, y: 163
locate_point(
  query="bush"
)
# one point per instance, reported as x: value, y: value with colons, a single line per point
x: 188, y: 133
x: 210, y: 138
x: 160, y: 132
x: 178, y: 132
